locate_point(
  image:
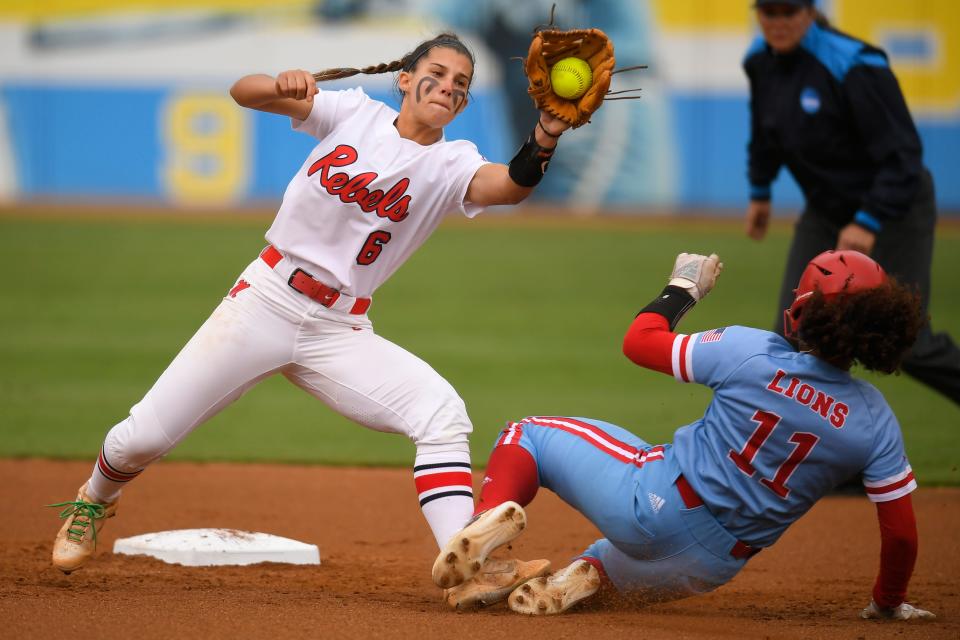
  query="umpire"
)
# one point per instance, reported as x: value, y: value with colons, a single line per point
x: 828, y: 107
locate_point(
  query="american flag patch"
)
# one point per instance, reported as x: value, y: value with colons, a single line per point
x: 714, y: 335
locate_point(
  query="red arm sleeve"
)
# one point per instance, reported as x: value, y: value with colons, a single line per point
x: 649, y: 342
x: 898, y: 550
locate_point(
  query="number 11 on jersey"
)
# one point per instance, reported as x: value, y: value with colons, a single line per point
x: 767, y: 422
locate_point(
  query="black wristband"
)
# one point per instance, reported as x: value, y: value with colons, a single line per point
x: 530, y: 163
x: 672, y: 304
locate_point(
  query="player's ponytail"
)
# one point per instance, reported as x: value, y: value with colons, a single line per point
x: 875, y: 327
x: 345, y: 72
x: 406, y: 63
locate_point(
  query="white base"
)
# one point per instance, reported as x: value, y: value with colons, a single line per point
x: 209, y: 547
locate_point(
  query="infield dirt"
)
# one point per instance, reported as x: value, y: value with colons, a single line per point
x: 377, y: 551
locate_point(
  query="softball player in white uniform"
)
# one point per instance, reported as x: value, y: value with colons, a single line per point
x: 369, y: 194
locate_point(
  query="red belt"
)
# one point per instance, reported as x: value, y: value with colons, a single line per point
x: 304, y: 283
x: 691, y: 500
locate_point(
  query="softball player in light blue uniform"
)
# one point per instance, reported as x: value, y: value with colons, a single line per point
x: 759, y: 457
x: 784, y: 427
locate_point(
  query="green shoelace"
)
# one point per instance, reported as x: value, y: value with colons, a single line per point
x: 84, y: 514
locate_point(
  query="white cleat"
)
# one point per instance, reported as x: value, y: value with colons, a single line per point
x: 496, y: 580
x: 557, y: 593
x: 464, y: 555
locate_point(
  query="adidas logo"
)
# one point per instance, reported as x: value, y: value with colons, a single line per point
x: 656, y: 502
x: 486, y: 479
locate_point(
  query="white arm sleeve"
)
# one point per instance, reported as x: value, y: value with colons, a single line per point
x: 463, y: 164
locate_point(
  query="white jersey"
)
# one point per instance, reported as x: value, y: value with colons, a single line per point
x: 365, y: 199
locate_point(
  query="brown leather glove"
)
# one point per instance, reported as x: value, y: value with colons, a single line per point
x: 547, y: 48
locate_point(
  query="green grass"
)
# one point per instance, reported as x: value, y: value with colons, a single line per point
x: 521, y: 317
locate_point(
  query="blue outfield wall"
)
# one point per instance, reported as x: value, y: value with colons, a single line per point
x: 89, y: 143
x: 181, y: 146
x: 84, y: 142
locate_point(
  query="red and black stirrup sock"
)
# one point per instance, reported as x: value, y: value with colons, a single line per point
x: 511, y: 475
x: 445, y: 491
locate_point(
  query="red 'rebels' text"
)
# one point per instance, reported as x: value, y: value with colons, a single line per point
x: 807, y: 395
x: 393, y: 204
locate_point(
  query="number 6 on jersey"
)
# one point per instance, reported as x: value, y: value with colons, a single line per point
x: 372, y: 247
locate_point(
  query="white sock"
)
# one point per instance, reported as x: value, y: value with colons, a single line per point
x: 445, y: 490
x: 106, y: 481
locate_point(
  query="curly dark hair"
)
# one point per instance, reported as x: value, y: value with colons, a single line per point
x: 875, y: 327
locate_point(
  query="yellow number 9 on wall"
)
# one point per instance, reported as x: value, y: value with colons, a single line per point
x: 205, y: 140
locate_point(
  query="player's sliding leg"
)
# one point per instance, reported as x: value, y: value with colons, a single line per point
x: 509, y: 485
x: 241, y: 342
x: 590, y: 464
x: 512, y: 474
x: 516, y: 483
x: 467, y: 551
x: 597, y: 468
x: 556, y: 593
x: 626, y: 487
x: 495, y: 581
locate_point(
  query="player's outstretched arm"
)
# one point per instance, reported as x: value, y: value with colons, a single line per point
x: 898, y: 552
x: 289, y: 94
x: 649, y: 340
x: 509, y: 184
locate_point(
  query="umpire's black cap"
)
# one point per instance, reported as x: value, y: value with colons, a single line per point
x: 795, y: 3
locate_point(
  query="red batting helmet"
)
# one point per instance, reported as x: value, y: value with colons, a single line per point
x: 833, y: 273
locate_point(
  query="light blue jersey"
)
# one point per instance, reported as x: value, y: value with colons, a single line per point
x: 782, y: 430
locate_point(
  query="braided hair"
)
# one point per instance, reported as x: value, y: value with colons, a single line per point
x: 407, y: 63
x: 875, y: 327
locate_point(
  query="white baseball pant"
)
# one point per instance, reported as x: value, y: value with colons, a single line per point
x: 267, y: 328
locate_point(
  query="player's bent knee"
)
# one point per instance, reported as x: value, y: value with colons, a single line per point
x: 135, y: 443
x: 446, y: 423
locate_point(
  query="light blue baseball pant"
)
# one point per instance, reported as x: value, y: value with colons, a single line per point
x: 654, y: 548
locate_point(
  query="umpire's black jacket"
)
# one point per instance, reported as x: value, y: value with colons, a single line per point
x: 833, y: 113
